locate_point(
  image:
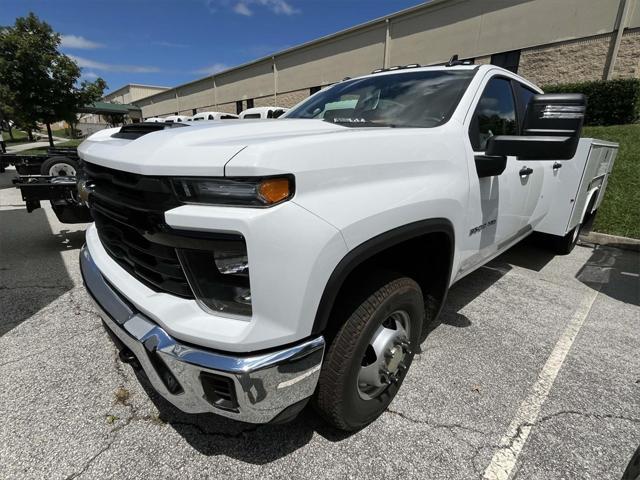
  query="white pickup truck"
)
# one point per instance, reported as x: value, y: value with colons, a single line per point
x: 249, y: 267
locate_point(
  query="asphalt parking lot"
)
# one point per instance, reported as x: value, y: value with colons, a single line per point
x: 533, y: 372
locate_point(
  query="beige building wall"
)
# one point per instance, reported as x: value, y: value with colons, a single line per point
x: 559, y: 40
x: 252, y: 81
x: 196, y: 94
x: 328, y: 62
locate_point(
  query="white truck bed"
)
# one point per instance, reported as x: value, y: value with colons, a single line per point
x: 580, y: 178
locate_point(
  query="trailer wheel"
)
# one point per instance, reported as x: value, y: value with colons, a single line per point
x: 59, y: 167
x: 369, y: 357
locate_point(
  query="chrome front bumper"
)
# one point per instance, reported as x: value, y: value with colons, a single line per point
x: 264, y: 384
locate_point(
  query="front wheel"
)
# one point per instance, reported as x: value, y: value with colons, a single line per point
x: 368, y: 359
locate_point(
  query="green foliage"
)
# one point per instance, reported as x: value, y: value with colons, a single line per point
x: 37, y: 82
x: 609, y: 102
x: 619, y: 213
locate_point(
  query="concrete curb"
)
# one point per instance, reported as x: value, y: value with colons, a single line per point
x: 612, y: 241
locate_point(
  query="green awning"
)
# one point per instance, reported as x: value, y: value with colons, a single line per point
x: 105, y: 108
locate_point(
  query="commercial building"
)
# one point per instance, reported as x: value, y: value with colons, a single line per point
x: 547, y: 41
x: 125, y: 96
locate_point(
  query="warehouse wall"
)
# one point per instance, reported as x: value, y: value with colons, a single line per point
x: 560, y: 41
x: 573, y: 61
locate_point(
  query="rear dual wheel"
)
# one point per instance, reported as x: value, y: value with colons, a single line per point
x: 370, y: 355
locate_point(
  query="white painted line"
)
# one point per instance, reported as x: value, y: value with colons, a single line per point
x: 631, y: 274
x: 503, y: 463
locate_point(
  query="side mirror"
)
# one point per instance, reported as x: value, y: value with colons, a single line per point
x: 551, y: 129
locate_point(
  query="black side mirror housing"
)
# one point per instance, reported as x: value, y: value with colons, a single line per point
x: 551, y: 129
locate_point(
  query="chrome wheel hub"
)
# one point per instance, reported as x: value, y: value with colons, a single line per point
x: 383, y: 362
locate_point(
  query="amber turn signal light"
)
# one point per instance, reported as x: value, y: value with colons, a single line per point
x: 274, y: 190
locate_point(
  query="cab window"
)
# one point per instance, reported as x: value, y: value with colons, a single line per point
x: 495, y: 114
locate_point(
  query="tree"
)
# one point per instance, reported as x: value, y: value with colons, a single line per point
x: 115, y: 119
x: 38, y: 81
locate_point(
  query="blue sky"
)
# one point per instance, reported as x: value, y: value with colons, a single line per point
x: 169, y: 42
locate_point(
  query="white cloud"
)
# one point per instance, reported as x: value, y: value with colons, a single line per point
x: 110, y: 67
x: 248, y: 7
x: 79, y: 42
x: 241, y: 9
x: 211, y: 69
x: 89, y: 75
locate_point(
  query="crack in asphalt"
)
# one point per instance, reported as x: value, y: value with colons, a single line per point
x: 448, y: 426
x: 478, y: 449
x: 530, y: 425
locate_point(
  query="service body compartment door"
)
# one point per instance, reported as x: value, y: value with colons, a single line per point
x: 575, y: 182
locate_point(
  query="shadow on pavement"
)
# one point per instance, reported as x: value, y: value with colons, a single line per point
x: 614, y: 271
x: 32, y: 271
x: 212, y: 435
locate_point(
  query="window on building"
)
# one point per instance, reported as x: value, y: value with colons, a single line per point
x: 194, y: 111
x: 507, y: 60
x: 313, y: 90
x: 495, y: 114
x: 239, y: 107
x: 250, y: 103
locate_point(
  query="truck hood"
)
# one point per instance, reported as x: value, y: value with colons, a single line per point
x: 195, y: 149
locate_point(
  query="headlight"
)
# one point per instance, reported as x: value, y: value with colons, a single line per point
x: 220, y: 278
x: 257, y: 192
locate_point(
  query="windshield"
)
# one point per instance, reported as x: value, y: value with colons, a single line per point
x: 407, y: 99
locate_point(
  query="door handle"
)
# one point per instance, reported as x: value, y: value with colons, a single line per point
x: 557, y: 165
x: 524, y: 171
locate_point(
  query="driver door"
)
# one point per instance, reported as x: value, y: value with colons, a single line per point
x: 495, y: 215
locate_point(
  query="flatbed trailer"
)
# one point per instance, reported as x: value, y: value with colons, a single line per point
x: 33, y: 164
x: 60, y: 191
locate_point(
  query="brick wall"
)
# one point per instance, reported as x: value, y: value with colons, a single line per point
x: 289, y: 99
x: 264, y: 101
x: 226, y: 107
x: 628, y: 61
x: 572, y: 61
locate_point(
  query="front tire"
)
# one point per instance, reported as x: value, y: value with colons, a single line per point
x: 367, y: 360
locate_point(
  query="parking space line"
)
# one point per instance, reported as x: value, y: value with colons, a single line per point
x: 503, y: 463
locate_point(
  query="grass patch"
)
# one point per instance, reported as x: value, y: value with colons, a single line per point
x: 18, y: 137
x: 619, y: 213
x: 62, y: 133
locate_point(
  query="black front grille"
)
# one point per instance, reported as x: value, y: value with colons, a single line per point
x: 128, y: 210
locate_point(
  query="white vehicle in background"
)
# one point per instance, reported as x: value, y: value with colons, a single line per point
x: 262, y: 112
x: 154, y: 120
x: 249, y: 267
x: 212, y: 116
x: 175, y: 119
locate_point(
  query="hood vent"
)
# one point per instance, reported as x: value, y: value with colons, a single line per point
x: 137, y: 130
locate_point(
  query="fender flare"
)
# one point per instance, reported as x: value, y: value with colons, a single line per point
x: 368, y: 249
